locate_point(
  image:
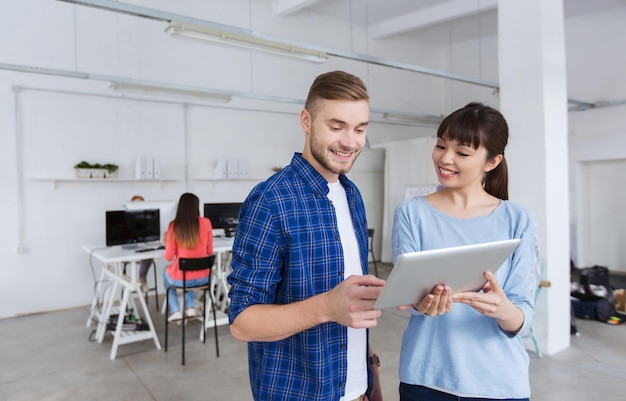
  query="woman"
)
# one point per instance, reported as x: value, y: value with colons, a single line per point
x: 468, y: 345
x: 188, y: 236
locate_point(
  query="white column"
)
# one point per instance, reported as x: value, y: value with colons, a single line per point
x: 534, y: 101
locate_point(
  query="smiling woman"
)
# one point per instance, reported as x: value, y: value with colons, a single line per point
x: 471, y: 208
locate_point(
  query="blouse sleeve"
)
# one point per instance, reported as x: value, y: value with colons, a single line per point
x: 522, y: 280
x: 209, y: 242
x: 403, y: 232
x: 170, y: 245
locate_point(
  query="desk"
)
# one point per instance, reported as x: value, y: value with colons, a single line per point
x: 222, y: 247
x: 113, y: 259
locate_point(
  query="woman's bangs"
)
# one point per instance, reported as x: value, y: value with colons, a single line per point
x: 463, y: 134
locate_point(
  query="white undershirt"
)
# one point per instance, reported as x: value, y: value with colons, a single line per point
x: 356, y: 380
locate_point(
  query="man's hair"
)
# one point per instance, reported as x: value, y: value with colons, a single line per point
x: 335, y: 85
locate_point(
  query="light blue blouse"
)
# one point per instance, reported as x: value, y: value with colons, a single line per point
x: 463, y: 351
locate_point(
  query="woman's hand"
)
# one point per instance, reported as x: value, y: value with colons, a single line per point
x: 438, y: 302
x: 493, y: 302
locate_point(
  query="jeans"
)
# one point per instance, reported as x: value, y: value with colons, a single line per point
x: 144, y: 266
x: 172, y: 296
x: 410, y: 392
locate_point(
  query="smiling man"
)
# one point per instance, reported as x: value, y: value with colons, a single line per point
x: 300, y: 293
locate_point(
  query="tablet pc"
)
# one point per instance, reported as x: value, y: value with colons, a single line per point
x: 461, y: 268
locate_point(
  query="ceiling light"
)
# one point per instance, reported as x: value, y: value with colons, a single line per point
x: 412, y: 119
x: 244, y: 41
x: 143, y: 88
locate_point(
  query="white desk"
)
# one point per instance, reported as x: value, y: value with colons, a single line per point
x: 222, y: 247
x: 113, y: 259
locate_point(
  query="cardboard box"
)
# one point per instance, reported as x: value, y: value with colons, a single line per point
x: 619, y: 300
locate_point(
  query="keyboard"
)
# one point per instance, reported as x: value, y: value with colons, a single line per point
x: 150, y: 249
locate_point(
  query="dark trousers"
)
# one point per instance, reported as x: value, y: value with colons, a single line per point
x: 410, y: 392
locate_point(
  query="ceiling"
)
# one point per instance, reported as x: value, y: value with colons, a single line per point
x: 438, y: 22
x: 426, y: 20
x: 442, y: 22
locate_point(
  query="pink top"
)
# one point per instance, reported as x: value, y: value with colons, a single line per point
x: 204, y: 248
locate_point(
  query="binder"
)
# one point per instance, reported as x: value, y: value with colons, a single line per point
x: 149, y: 169
x: 140, y: 169
x: 156, y: 169
x: 232, y: 169
x: 244, y: 168
x: 220, y: 170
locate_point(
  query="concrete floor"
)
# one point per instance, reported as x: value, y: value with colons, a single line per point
x: 49, y: 357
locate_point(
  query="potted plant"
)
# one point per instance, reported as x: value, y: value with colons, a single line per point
x: 85, y: 169
x: 110, y: 170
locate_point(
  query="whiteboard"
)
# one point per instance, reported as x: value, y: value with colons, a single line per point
x: 422, y: 190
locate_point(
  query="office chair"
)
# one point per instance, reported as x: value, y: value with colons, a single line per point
x: 149, y: 289
x: 194, y: 264
x: 370, y: 246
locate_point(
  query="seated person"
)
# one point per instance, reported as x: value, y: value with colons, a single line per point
x: 189, y: 235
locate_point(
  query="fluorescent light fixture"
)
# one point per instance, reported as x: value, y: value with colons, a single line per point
x: 412, y: 119
x: 144, y: 88
x: 245, y: 41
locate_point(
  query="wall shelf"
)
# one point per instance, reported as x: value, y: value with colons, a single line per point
x: 231, y: 179
x: 55, y: 181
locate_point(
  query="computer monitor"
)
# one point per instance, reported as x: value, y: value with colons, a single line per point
x: 128, y: 227
x: 223, y: 215
x: 167, y: 210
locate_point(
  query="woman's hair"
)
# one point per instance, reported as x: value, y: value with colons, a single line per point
x: 335, y: 85
x: 478, y: 125
x: 186, y: 226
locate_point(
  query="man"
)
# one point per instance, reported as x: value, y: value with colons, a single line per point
x: 299, y: 291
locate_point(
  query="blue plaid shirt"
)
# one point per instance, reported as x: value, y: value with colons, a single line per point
x: 288, y: 249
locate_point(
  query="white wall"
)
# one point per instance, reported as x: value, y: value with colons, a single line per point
x: 50, y: 123
x: 605, y: 205
x: 596, y: 68
x: 597, y: 153
x: 43, y: 131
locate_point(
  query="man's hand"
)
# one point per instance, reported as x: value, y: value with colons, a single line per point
x: 351, y: 303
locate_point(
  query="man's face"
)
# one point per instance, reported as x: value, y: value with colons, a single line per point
x: 335, y: 135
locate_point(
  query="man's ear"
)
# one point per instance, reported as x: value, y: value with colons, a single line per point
x: 305, y: 120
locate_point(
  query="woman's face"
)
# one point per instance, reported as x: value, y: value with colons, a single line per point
x: 460, y: 166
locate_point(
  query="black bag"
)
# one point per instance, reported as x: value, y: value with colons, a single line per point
x: 131, y: 322
x: 596, y: 276
x: 604, y: 310
x: 587, y: 303
x: 592, y: 307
